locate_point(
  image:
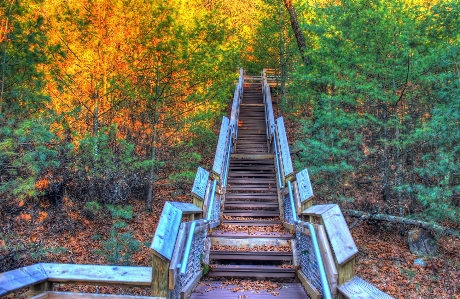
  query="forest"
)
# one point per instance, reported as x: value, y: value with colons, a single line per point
x: 107, y: 108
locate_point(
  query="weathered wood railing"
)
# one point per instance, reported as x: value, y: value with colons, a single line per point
x: 41, y: 277
x: 180, y: 249
x: 325, y: 273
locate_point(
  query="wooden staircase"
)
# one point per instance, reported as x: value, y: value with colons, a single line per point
x: 251, y: 242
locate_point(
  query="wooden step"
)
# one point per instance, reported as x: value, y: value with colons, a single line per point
x: 252, y: 222
x: 245, y: 235
x: 357, y: 288
x: 251, y: 105
x: 213, y: 290
x: 273, y: 196
x: 251, y: 162
x: 251, y: 255
x: 251, y: 181
x: 251, y: 204
x: 251, y: 213
x: 252, y: 175
x: 250, y: 271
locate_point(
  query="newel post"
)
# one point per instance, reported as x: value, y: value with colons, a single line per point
x: 163, y: 247
x: 159, y: 276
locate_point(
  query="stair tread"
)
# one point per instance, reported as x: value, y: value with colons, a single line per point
x: 225, y: 291
x: 246, y: 235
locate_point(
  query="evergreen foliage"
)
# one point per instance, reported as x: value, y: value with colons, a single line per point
x: 382, y: 90
x: 106, y: 166
x: 27, y: 149
x: 119, y: 246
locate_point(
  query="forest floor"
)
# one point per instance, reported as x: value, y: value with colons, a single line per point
x: 384, y: 258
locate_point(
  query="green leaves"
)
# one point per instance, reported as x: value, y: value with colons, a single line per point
x: 381, y: 99
x: 25, y: 155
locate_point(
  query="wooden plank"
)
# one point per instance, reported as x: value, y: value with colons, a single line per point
x: 297, y: 202
x: 289, y: 227
x: 98, y: 274
x: 249, y: 242
x: 166, y: 232
x: 309, y: 287
x: 284, y: 145
x: 339, y: 235
x: 221, y: 148
x: 328, y: 259
x: 251, y: 156
x: 177, y: 254
x: 251, y: 255
x: 214, y: 290
x: 160, y: 271
x: 186, y: 208
x: 72, y: 295
x: 207, y: 198
x: 358, y: 288
x: 236, y: 103
x: 21, y: 278
x: 246, y: 235
x: 252, y: 105
x: 318, y: 210
x: 305, y: 206
x: 199, y: 185
x: 250, y: 271
x: 303, y: 181
x: 271, y: 119
x: 346, y: 270
x: 295, y: 259
x: 191, y: 285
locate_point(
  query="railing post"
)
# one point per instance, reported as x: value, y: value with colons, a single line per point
x: 160, y: 271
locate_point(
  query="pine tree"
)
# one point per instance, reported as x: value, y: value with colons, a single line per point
x: 26, y: 140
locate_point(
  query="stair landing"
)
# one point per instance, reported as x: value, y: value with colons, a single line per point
x: 221, y: 290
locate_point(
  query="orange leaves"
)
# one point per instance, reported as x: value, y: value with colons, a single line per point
x: 42, y: 184
x: 257, y: 248
x: 25, y: 217
x: 42, y: 216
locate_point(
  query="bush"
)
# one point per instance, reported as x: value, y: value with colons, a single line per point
x: 119, y: 247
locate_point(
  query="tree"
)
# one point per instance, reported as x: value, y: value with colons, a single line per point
x: 380, y: 80
x: 26, y: 141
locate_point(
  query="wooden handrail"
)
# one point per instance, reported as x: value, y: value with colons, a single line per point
x: 49, y: 273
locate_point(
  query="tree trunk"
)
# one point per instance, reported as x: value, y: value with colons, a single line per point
x: 4, y: 58
x: 386, y: 190
x: 301, y: 44
x: 149, y: 200
x: 437, y: 229
x: 152, y: 171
